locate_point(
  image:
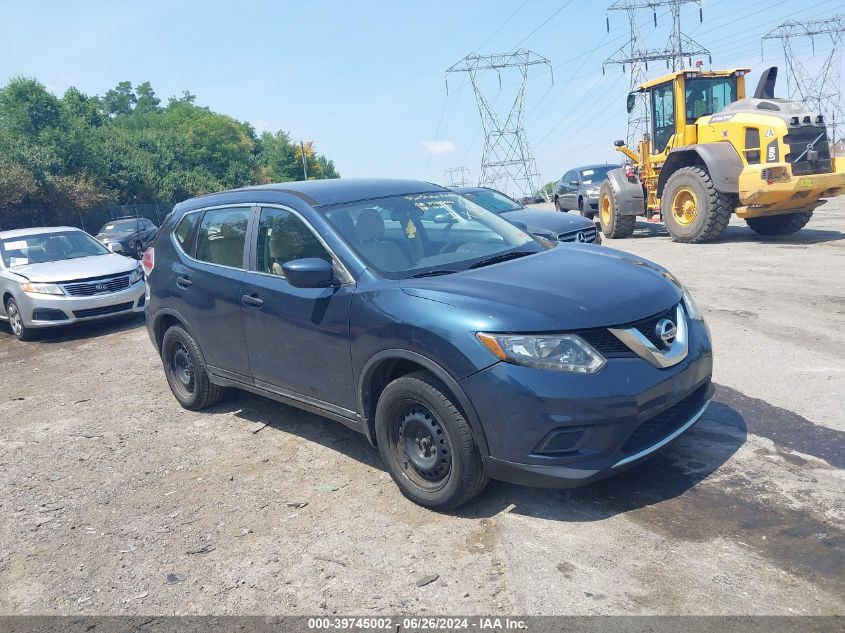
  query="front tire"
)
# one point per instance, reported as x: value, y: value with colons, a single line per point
x: 613, y: 223
x: 557, y: 205
x: 693, y: 210
x: 590, y: 215
x: 21, y: 332
x: 186, y: 371
x: 426, y: 443
x: 785, y: 224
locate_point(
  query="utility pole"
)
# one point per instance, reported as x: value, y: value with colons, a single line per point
x: 457, y: 176
x: 819, y: 89
x: 635, y: 56
x: 304, y: 159
x: 507, y: 157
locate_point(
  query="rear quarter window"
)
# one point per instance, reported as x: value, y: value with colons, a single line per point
x: 185, y: 228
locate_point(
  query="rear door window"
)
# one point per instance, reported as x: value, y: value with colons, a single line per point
x: 184, y: 229
x: 222, y: 236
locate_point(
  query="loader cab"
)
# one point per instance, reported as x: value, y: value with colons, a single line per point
x: 677, y: 100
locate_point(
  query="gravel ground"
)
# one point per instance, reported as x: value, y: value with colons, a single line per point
x: 117, y: 501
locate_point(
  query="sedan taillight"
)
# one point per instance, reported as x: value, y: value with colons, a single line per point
x: 148, y: 262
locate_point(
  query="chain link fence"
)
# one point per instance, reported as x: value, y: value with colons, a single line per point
x: 90, y: 220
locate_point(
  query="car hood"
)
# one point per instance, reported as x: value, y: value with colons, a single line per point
x: 73, y: 269
x: 548, y: 221
x: 115, y: 237
x: 565, y: 288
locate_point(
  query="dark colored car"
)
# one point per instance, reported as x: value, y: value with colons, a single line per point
x: 561, y: 227
x: 578, y: 189
x: 461, y: 346
x: 128, y: 235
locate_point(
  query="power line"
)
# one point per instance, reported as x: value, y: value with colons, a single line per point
x: 507, y: 156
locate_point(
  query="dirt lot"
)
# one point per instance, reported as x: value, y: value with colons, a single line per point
x: 115, y: 500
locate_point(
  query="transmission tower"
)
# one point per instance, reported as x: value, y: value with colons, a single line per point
x: 819, y: 89
x: 636, y: 56
x: 507, y: 157
x: 457, y: 176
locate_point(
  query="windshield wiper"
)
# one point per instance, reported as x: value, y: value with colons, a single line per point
x: 503, y: 257
x: 433, y: 273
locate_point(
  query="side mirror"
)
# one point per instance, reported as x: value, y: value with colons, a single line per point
x: 631, y: 102
x: 311, y: 272
x: 574, y: 183
x: 520, y: 225
x: 619, y: 143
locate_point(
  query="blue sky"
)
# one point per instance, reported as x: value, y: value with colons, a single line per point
x: 365, y: 79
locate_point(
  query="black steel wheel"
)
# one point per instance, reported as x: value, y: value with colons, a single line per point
x: 186, y: 372
x: 426, y: 443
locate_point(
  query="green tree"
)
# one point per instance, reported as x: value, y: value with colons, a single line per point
x: 120, y: 100
x: 146, y: 100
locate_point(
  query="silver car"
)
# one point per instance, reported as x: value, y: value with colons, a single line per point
x: 60, y: 275
x: 578, y: 189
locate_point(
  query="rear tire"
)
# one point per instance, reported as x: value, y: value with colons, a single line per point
x: 693, y: 210
x: 785, y: 224
x: 613, y: 224
x: 186, y: 371
x: 21, y: 332
x: 426, y: 443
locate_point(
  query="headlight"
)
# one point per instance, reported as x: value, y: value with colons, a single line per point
x: 690, y: 306
x: 592, y: 192
x: 41, y: 289
x: 689, y: 303
x: 558, y: 352
x: 136, y: 275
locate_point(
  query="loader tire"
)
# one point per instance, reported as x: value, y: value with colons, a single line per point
x: 613, y: 223
x: 785, y: 224
x: 692, y: 209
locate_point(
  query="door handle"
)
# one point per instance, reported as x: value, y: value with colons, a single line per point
x: 184, y: 282
x: 252, y: 300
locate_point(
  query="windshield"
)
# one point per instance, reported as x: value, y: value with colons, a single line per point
x: 49, y: 247
x: 708, y: 95
x: 120, y: 226
x: 596, y: 175
x: 435, y: 233
x: 493, y: 200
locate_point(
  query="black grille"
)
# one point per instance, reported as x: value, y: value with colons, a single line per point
x: 589, y: 235
x: 93, y: 287
x: 606, y: 343
x: 92, y: 312
x: 609, y: 346
x: 648, y: 326
x: 665, y: 423
x: 798, y: 138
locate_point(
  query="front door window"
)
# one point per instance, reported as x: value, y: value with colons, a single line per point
x: 663, y: 115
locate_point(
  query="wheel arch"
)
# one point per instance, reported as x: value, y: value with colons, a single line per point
x: 629, y: 195
x: 164, y: 320
x: 721, y: 161
x: 387, y: 365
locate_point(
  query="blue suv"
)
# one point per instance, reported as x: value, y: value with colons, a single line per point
x: 459, y: 345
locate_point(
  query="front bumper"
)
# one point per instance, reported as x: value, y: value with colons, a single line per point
x: 43, y: 311
x: 550, y: 429
x: 795, y: 194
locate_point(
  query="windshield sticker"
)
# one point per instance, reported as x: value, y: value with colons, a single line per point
x: 587, y: 172
x: 18, y: 261
x: 15, y: 246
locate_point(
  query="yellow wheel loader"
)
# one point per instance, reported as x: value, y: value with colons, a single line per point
x: 711, y: 152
